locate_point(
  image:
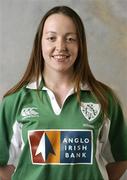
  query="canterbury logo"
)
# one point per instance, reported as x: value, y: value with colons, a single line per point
x: 29, y: 112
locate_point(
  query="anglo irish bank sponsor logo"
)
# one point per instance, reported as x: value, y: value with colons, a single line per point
x: 29, y: 112
x: 61, y: 146
x: 90, y: 110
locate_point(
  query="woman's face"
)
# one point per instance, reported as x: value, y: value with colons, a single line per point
x: 59, y: 43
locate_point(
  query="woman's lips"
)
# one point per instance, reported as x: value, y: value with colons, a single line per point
x: 60, y: 57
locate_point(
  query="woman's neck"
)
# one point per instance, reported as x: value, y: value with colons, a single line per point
x: 58, y: 80
x: 60, y: 85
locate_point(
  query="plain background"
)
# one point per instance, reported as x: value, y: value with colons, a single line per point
x: 106, y: 31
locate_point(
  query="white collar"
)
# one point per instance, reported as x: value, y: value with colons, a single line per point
x: 33, y: 85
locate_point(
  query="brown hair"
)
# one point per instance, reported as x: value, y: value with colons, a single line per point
x: 82, y: 71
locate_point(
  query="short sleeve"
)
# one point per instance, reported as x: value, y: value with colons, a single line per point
x: 118, y: 131
x: 10, y: 139
x: 4, y: 134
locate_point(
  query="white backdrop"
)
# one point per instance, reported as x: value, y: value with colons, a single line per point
x: 106, y: 30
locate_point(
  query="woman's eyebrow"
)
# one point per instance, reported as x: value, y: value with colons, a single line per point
x: 68, y: 33
x: 53, y: 32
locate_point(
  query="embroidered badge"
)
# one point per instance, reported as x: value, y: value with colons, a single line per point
x: 90, y: 110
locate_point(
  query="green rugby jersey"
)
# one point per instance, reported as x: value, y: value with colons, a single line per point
x: 46, y: 142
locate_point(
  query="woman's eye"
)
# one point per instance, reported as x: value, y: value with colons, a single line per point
x: 70, y: 39
x: 51, y: 38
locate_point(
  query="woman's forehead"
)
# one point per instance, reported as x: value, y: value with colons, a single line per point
x: 59, y: 21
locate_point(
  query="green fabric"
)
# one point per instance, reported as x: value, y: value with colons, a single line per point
x: 70, y: 119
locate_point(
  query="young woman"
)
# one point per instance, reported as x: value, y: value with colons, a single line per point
x: 59, y: 122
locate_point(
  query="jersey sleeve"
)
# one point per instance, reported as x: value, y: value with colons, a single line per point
x: 118, y: 131
x: 4, y: 139
x: 9, y: 136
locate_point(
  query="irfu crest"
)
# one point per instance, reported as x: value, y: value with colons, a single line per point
x: 90, y: 110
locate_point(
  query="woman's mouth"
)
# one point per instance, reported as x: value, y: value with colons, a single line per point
x: 60, y: 58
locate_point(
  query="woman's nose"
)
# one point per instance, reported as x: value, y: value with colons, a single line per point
x: 61, y: 45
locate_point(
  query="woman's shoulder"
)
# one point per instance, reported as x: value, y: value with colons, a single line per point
x: 109, y: 92
x: 12, y: 97
x: 114, y: 103
x: 111, y: 96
